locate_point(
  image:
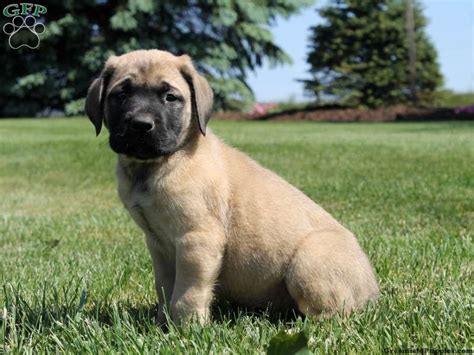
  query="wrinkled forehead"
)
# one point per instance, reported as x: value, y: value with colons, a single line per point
x: 148, y: 72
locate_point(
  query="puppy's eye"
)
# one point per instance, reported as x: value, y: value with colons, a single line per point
x: 170, y: 98
x: 119, y: 94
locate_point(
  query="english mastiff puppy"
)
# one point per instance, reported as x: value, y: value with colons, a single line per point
x: 216, y: 222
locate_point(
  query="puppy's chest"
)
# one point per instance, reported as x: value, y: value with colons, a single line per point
x: 154, y: 210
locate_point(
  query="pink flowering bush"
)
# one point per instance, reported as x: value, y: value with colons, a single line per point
x: 464, y: 109
x: 261, y: 109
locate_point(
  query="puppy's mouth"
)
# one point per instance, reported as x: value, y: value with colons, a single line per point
x: 141, y: 149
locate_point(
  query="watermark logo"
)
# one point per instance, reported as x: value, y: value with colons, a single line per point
x: 24, y: 30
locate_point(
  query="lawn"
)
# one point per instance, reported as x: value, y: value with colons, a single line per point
x: 77, y: 277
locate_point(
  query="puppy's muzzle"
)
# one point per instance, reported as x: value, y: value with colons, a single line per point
x: 142, y: 123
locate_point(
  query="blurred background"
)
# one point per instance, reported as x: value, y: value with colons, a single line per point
x: 289, y: 59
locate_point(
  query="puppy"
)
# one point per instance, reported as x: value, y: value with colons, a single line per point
x: 216, y: 222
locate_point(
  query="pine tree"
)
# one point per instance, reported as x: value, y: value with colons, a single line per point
x: 226, y: 39
x: 359, y: 55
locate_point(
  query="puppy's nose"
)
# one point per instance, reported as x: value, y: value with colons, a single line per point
x: 142, y: 123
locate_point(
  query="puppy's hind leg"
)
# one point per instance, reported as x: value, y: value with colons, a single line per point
x: 330, y: 273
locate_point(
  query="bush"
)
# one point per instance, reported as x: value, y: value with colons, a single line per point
x: 450, y: 98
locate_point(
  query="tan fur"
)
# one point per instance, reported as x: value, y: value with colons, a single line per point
x: 217, y: 222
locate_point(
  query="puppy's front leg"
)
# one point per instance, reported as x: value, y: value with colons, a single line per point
x: 198, y: 262
x: 164, y: 277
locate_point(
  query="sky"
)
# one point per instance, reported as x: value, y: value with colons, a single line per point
x: 450, y: 28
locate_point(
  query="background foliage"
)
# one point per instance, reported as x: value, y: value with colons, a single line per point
x: 359, y: 55
x: 226, y: 38
x: 450, y: 98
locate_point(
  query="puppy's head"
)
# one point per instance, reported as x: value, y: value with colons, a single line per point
x: 151, y: 101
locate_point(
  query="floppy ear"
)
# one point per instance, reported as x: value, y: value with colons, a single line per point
x: 94, y: 102
x: 201, y: 94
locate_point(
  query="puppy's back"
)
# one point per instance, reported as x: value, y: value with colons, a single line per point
x: 271, y: 203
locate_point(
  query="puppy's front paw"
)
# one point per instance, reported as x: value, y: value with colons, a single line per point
x: 161, y: 315
x: 184, y: 313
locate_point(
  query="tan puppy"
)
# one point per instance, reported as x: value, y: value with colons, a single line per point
x: 216, y: 222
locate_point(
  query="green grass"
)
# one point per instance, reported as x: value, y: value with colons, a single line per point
x: 77, y: 277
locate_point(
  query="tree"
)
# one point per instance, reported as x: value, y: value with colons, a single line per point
x: 226, y: 39
x: 359, y: 56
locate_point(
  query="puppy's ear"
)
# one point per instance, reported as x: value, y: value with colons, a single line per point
x: 96, y: 95
x: 94, y: 103
x: 201, y: 93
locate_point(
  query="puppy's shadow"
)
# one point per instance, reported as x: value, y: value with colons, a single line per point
x: 141, y: 318
x: 231, y: 313
x: 144, y: 317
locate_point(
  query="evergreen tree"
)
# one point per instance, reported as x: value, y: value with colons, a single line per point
x: 359, y: 55
x: 226, y: 39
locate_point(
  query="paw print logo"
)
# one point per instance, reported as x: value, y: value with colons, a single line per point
x: 24, y: 32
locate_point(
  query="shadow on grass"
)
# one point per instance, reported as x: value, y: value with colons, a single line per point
x: 68, y: 307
